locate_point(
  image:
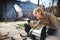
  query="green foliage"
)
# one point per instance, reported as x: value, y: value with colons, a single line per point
x: 21, y: 25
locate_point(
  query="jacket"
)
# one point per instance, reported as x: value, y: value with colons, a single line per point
x: 48, y: 19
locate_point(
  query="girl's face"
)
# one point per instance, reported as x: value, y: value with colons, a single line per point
x: 38, y: 14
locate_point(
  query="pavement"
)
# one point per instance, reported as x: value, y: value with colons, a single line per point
x: 14, y: 30
x: 11, y: 27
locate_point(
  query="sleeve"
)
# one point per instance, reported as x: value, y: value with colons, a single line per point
x: 53, y: 20
x: 34, y: 25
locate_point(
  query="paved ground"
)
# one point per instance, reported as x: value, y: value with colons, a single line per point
x: 15, y: 32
